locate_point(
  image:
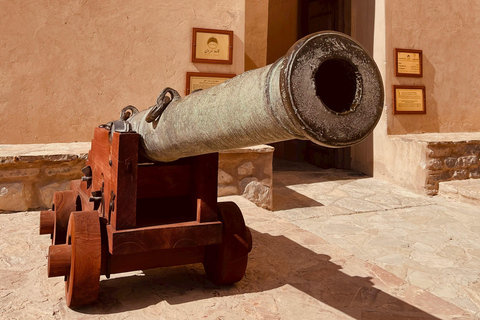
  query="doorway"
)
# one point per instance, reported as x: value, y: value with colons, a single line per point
x: 311, y: 16
x: 321, y: 15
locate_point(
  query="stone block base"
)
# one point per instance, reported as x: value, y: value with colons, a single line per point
x: 30, y: 174
x: 247, y: 172
x: 432, y: 158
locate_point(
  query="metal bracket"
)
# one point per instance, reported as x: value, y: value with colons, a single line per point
x: 111, y: 206
x: 87, y: 171
x: 96, y: 198
x: 121, y: 125
x: 162, y: 102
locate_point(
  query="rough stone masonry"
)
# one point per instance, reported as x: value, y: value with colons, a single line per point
x: 455, y: 160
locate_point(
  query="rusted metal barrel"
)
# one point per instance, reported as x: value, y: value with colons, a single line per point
x: 326, y: 89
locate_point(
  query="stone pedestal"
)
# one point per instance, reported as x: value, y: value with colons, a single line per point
x: 31, y: 173
x: 422, y: 161
x: 247, y: 172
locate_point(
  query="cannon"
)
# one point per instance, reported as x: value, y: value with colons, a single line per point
x: 148, y: 197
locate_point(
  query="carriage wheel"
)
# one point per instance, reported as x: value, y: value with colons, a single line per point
x: 54, y: 222
x: 64, y: 203
x: 82, y: 284
x: 226, y: 263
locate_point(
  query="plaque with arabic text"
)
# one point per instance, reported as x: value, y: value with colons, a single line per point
x: 408, y: 63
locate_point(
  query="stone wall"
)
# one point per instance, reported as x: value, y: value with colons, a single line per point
x: 451, y: 161
x: 247, y: 172
x: 419, y: 162
x: 30, y: 174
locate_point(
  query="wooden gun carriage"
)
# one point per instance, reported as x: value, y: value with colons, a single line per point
x: 148, y: 197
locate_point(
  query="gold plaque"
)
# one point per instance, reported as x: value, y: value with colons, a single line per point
x: 212, y: 46
x: 408, y: 63
x: 200, y: 81
x: 409, y: 99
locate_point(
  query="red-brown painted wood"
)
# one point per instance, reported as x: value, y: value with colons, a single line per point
x: 163, y: 181
x: 155, y: 259
x: 82, y: 283
x: 64, y: 205
x: 79, y: 187
x: 59, y: 260
x: 226, y: 263
x: 99, y: 157
x: 47, y: 222
x: 170, y: 236
x: 163, y: 214
x: 205, y: 180
x: 123, y: 180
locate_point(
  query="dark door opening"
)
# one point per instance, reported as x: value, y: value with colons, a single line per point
x: 314, y: 16
x: 321, y: 15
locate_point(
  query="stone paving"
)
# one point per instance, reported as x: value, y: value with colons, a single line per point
x: 462, y: 190
x: 429, y: 242
x: 339, y: 245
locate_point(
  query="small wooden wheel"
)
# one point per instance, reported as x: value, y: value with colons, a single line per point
x: 82, y: 284
x: 63, y: 204
x: 226, y: 263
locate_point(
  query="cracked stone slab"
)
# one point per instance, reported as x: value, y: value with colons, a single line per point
x: 11, y: 153
x: 463, y: 190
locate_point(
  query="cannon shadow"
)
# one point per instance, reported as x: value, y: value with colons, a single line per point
x: 290, y: 174
x: 278, y: 268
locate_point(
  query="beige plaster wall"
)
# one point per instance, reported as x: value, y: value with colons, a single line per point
x: 448, y: 32
x: 362, y: 30
x: 69, y: 66
x: 395, y: 160
x: 383, y: 148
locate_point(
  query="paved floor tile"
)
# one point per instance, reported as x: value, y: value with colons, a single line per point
x: 395, y: 255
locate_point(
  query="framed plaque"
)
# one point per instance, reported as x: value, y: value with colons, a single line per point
x: 199, y: 80
x: 212, y: 46
x: 408, y: 63
x: 409, y: 100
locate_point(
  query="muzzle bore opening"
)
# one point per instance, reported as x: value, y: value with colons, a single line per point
x: 338, y: 85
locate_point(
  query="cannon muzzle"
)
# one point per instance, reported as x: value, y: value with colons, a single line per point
x: 326, y: 89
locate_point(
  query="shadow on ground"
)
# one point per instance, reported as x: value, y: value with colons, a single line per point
x: 286, y: 199
x: 274, y: 263
x: 289, y: 173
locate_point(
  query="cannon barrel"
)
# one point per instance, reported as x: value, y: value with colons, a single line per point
x: 326, y: 89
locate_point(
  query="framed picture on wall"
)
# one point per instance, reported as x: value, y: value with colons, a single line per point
x: 408, y: 63
x: 409, y: 100
x: 212, y: 46
x: 201, y: 80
